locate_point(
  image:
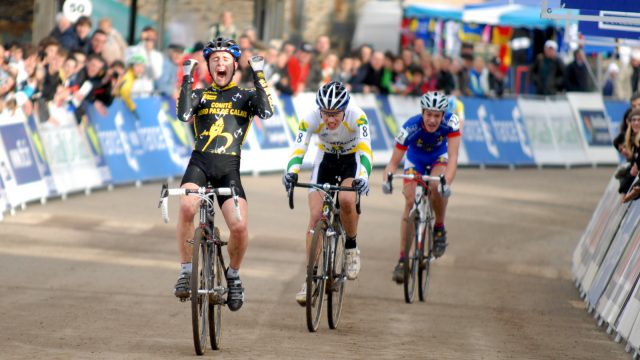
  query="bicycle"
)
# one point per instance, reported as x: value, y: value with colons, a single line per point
x: 326, y: 266
x: 419, y: 228
x: 208, y: 280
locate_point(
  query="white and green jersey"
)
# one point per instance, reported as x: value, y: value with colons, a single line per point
x: 351, y: 136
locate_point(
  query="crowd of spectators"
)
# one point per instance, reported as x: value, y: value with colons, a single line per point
x: 80, y: 64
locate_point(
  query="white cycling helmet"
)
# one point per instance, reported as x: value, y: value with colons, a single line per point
x: 434, y: 100
x: 332, y: 96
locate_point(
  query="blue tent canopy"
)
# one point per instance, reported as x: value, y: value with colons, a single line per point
x: 517, y: 13
x: 443, y: 11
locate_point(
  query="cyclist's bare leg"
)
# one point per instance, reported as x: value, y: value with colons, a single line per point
x: 188, y: 208
x: 315, y: 213
x: 348, y: 214
x: 238, y: 233
x: 438, y: 202
x: 409, y: 191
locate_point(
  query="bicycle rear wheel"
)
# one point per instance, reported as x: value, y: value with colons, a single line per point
x: 316, y: 272
x: 425, y: 257
x: 411, y: 257
x: 338, y: 277
x: 199, y: 298
x: 216, y: 301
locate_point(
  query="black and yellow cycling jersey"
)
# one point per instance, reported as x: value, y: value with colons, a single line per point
x: 223, y: 115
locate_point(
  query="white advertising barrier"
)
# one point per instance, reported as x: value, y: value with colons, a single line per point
x: 303, y: 104
x: 623, y: 278
x: 274, y: 139
x: 602, y: 245
x: 382, y: 137
x: 552, y: 131
x: 582, y: 253
x: 613, y: 255
x: 21, y: 180
x: 4, y: 204
x: 598, y: 237
x: 626, y: 321
x: 592, y: 120
x: 634, y: 335
x: 70, y: 159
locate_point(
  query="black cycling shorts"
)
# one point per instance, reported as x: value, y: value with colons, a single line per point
x: 333, y: 169
x: 216, y: 169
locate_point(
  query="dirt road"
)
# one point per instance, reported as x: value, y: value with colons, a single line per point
x: 91, y: 277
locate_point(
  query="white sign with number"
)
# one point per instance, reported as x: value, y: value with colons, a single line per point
x: 73, y: 9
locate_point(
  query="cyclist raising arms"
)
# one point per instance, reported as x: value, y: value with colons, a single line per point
x: 431, y: 141
x: 344, y: 158
x: 222, y: 114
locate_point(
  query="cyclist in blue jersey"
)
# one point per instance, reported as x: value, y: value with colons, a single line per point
x: 431, y: 141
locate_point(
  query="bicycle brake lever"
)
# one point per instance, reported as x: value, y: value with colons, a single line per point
x: 290, y: 193
x: 234, y: 194
x: 164, y: 193
x: 164, y: 202
x: 164, y: 209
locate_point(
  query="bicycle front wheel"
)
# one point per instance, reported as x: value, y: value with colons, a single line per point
x: 216, y: 300
x: 338, y: 277
x: 411, y: 257
x: 425, y: 257
x: 316, y: 271
x: 199, y: 298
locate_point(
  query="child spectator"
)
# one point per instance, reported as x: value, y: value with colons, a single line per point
x: 134, y: 83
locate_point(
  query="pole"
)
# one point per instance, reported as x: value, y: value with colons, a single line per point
x: 162, y: 24
x: 133, y: 13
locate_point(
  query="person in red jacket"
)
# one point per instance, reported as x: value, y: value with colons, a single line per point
x: 299, y: 66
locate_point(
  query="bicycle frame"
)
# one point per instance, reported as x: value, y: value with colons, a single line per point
x: 422, y: 205
x: 324, y: 256
x: 418, y: 236
x: 207, y: 280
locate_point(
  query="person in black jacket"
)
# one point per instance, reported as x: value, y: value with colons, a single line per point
x: 547, y: 73
x: 445, y: 82
x: 576, y: 76
x: 368, y: 79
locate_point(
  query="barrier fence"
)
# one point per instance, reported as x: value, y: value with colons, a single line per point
x: 41, y: 159
x: 606, y: 267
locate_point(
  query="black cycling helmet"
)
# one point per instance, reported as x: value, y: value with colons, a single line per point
x: 221, y: 44
x: 332, y: 96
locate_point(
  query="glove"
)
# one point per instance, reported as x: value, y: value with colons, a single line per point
x: 386, y: 188
x: 289, y: 179
x: 361, y: 186
x: 256, y: 63
x: 189, y: 67
x: 444, y: 190
x: 136, y: 116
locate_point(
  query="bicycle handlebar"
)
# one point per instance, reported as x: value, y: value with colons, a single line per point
x: 420, y: 178
x: 326, y: 188
x: 201, y: 192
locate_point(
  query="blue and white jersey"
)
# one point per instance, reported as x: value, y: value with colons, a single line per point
x: 420, y: 144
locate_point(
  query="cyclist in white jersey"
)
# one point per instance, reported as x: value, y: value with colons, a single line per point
x: 344, y: 159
